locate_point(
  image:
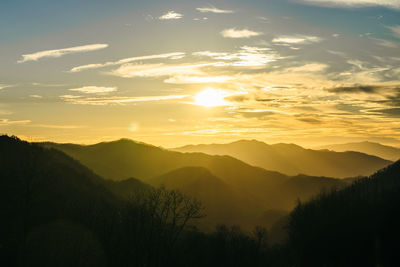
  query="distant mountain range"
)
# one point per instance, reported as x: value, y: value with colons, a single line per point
x: 292, y: 159
x: 371, y: 148
x: 229, y: 187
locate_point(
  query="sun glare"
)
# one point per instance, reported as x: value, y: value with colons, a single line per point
x: 210, y: 98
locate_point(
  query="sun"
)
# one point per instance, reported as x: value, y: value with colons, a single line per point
x: 210, y: 98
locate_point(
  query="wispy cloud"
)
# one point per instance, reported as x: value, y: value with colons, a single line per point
x: 11, y: 122
x: 198, y: 79
x: 237, y: 33
x: 171, y: 15
x: 213, y: 9
x: 94, y: 89
x: 175, y: 55
x: 2, y: 86
x: 247, y: 56
x: 36, y: 96
x: 311, y: 67
x: 368, y: 89
x: 386, y: 43
x: 355, y: 3
x: 118, y: 100
x: 54, y: 126
x: 61, y: 52
x: 297, y: 39
x: 195, y: 73
x: 395, y: 30
x: 158, y: 70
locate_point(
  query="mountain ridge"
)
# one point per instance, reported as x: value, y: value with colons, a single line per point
x: 292, y: 159
x: 372, y: 148
x: 121, y: 159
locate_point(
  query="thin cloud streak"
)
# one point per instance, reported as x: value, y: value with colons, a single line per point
x: 237, y: 33
x: 61, y: 52
x: 159, y: 70
x: 175, y: 55
x: 10, y: 122
x: 355, y: 3
x: 171, y: 15
x: 395, y: 30
x: 247, y: 56
x: 118, y: 100
x: 94, y: 89
x: 212, y: 9
x: 297, y: 39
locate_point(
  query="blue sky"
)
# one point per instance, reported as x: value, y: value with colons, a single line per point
x: 178, y: 72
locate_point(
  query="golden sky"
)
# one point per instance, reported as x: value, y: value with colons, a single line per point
x: 172, y: 73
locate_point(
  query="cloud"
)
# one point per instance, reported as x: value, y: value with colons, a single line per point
x: 212, y: 9
x: 235, y: 33
x: 395, y: 30
x: 61, y: 52
x: 36, y: 96
x: 9, y: 122
x: 355, y: 89
x: 247, y: 56
x: 386, y: 43
x: 48, y: 84
x: 198, y: 19
x: 159, y: 70
x: 198, y: 79
x: 392, y: 112
x: 52, y: 126
x: 2, y: 86
x: 94, y: 89
x: 174, y: 55
x: 297, y: 39
x: 171, y: 15
x: 310, y: 120
x: 117, y: 100
x: 368, y: 89
x: 355, y: 3
x: 311, y: 67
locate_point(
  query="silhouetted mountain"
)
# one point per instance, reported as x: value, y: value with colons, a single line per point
x: 223, y: 204
x: 126, y: 188
x: 371, y: 148
x: 44, y: 186
x: 56, y: 212
x: 125, y: 158
x: 356, y: 226
x: 292, y: 159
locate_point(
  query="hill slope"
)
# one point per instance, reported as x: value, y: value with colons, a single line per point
x: 222, y: 203
x: 356, y: 226
x: 371, y: 148
x: 292, y: 159
x: 125, y: 158
x: 46, y: 187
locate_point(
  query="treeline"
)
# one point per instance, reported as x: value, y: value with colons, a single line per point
x: 356, y: 226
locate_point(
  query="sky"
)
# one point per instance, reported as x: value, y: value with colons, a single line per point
x: 172, y: 73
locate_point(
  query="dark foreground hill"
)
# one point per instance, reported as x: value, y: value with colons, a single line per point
x: 292, y: 159
x: 260, y: 189
x: 356, y: 226
x: 46, y: 187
